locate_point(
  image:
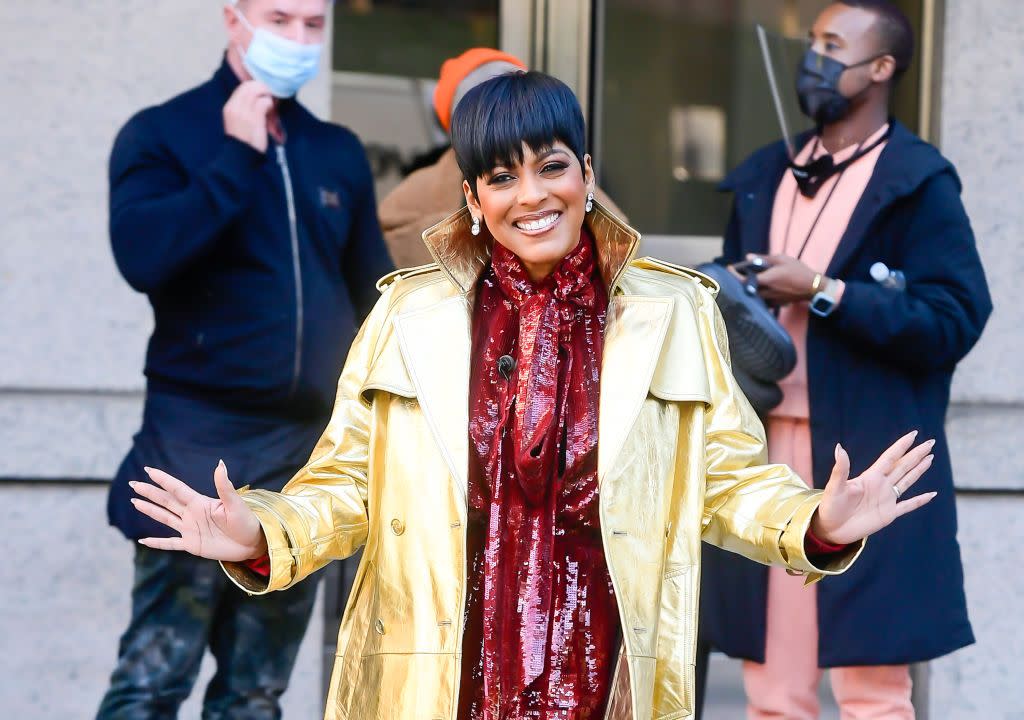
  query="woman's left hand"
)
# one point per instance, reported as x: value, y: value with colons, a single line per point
x: 853, y: 508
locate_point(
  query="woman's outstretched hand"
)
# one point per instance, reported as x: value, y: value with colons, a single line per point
x: 222, y: 528
x: 853, y: 508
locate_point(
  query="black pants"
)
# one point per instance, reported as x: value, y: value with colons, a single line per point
x: 180, y: 606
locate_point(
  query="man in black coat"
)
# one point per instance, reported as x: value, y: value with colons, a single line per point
x: 899, y: 298
x: 252, y: 228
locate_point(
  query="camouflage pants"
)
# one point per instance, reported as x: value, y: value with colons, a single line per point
x: 180, y: 606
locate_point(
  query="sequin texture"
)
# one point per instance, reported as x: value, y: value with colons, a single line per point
x: 541, y: 617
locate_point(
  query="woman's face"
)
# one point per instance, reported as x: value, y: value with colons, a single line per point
x: 536, y: 208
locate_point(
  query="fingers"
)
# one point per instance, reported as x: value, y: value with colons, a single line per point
x: 250, y: 90
x: 767, y: 277
x: 259, y: 89
x: 914, y: 474
x: 902, y: 508
x: 158, y: 513
x: 178, y: 490
x: 225, y: 490
x: 841, y: 470
x: 886, y: 462
x: 263, y: 104
x: 158, y: 496
x: 911, y: 460
x: 257, y: 97
x: 174, y: 543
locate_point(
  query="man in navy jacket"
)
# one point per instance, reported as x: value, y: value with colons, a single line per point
x: 880, y: 351
x: 252, y: 228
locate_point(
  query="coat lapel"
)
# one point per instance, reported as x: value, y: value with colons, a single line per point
x: 878, y: 193
x: 891, y: 179
x: 634, y: 335
x: 753, y: 185
x: 435, y: 343
x: 757, y: 204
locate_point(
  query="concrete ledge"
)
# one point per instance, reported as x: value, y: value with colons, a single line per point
x: 982, y: 682
x: 66, y: 435
x: 985, y: 441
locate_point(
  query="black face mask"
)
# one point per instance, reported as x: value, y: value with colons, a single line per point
x: 817, y: 87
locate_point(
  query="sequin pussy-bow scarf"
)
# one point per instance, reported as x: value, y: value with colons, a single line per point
x: 559, y: 342
x: 533, y: 428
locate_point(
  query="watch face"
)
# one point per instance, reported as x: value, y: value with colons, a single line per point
x: 822, y: 304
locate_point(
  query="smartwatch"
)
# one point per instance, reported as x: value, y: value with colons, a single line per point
x: 824, y: 303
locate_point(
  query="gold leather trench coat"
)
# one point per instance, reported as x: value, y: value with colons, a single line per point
x: 680, y: 458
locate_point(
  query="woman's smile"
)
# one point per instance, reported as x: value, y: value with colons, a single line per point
x: 537, y: 223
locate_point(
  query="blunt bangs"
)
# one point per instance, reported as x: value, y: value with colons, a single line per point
x: 495, y: 119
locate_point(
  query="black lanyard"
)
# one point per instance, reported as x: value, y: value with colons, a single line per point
x: 821, y: 211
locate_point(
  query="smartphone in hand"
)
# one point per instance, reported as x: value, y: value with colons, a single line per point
x: 749, y: 269
x: 754, y: 265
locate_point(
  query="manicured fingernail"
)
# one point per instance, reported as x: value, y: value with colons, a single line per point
x: 931, y: 442
x: 220, y: 463
x: 132, y: 484
x: 148, y: 470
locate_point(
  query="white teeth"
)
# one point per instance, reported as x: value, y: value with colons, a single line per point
x: 535, y: 225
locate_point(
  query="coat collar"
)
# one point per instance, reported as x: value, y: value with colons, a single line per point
x: 463, y: 256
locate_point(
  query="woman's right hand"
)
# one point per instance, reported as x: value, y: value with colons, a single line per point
x: 224, y: 528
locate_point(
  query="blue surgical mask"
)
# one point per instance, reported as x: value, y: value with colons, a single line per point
x: 282, y: 65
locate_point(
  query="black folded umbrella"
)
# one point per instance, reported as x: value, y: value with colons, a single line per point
x: 761, y: 348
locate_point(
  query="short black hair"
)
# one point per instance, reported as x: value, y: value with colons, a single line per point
x: 894, y: 30
x: 493, y: 121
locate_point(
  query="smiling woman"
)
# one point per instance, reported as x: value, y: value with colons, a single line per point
x: 531, y: 438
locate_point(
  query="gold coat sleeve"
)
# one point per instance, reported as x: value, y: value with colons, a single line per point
x: 758, y: 510
x: 320, y: 515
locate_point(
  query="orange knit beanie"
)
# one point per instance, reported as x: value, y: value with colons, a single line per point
x: 455, y: 70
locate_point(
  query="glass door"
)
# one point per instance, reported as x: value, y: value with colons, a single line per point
x: 386, y: 55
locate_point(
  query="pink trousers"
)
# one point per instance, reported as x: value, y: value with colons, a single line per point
x: 786, y: 685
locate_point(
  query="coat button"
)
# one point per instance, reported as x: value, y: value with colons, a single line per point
x: 379, y: 626
x: 397, y: 526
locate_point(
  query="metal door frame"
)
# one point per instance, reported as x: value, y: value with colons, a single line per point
x: 554, y: 36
